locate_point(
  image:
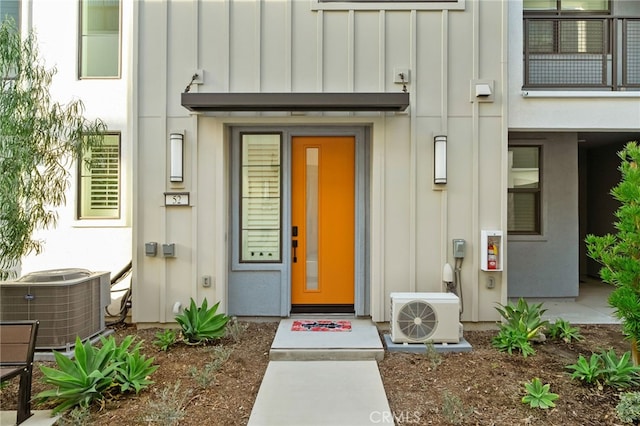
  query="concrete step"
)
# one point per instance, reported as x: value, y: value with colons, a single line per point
x: 360, y: 344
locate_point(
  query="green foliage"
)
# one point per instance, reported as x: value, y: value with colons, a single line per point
x: 235, y: 329
x: 202, y: 324
x: 454, y: 410
x: 539, y: 395
x: 619, y: 254
x: 628, y: 409
x: 82, y: 380
x: 206, y: 376
x: 134, y: 368
x: 589, y: 371
x: 620, y: 372
x: 39, y: 139
x: 165, y: 339
x: 78, y: 416
x: 95, y: 371
x: 432, y: 355
x: 522, y: 324
x: 562, y: 329
x: 168, y: 407
x: 606, y: 369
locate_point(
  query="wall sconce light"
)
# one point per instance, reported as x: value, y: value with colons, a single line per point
x: 440, y: 159
x: 176, y: 146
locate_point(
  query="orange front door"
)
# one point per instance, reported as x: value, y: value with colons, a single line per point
x: 323, y: 207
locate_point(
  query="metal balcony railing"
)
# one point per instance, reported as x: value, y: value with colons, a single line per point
x: 587, y: 53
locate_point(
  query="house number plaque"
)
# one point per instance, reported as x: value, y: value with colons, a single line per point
x: 176, y: 199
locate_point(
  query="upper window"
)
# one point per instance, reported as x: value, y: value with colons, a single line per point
x: 580, y: 44
x: 388, y: 4
x: 10, y: 9
x: 524, y: 190
x: 261, y: 204
x: 99, y: 38
x: 567, y: 5
x: 388, y: 1
x: 99, y: 180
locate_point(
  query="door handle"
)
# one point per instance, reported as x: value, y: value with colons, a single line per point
x: 294, y: 245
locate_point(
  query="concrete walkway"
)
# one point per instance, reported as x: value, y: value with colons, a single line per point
x: 323, y: 378
x: 39, y: 418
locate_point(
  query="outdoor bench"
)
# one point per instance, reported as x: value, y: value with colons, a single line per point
x: 17, y: 344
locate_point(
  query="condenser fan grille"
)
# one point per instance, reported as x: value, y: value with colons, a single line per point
x: 417, y: 320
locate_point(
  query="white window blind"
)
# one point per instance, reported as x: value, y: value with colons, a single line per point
x: 261, y: 204
x: 99, y: 194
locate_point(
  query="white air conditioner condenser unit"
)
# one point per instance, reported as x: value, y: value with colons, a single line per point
x: 425, y: 317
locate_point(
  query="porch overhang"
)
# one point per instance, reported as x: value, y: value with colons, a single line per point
x: 229, y: 102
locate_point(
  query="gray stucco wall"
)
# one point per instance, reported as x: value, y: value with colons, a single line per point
x: 547, y: 265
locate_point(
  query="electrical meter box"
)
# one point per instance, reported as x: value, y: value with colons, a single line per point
x: 491, y: 249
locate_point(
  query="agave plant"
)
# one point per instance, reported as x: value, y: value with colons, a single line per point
x: 82, y: 380
x: 134, y: 368
x: 200, y: 324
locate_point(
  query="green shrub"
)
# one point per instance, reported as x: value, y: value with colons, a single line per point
x: 95, y: 371
x: 235, y: 329
x: 606, y: 369
x: 134, y: 371
x: 82, y: 380
x: 588, y: 371
x: 454, y: 410
x: 620, y: 372
x: 168, y: 408
x: 628, y: 409
x: 539, y: 395
x: 562, y: 329
x: 206, y: 376
x: 522, y: 324
x: 432, y: 354
x: 202, y: 324
x: 165, y: 339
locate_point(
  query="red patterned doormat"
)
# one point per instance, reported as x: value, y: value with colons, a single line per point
x: 320, y: 325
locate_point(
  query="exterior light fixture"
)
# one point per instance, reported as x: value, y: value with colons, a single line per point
x: 176, y: 147
x: 440, y: 159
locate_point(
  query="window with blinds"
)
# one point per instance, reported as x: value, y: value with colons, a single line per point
x: 261, y: 198
x: 524, y: 190
x: 99, y: 181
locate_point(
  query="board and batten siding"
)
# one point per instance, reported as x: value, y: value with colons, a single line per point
x: 303, y: 46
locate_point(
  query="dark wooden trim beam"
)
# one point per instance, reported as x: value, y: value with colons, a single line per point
x: 228, y: 102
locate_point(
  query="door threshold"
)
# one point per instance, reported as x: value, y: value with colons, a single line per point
x: 323, y: 309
